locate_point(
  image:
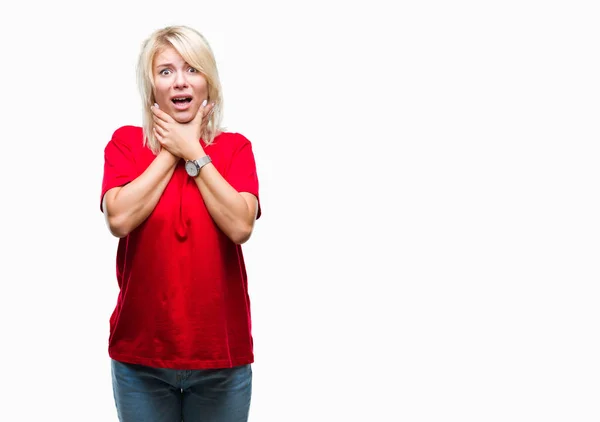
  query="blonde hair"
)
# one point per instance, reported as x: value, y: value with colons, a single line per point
x: 195, y: 50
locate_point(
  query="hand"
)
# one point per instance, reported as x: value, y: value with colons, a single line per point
x: 181, y: 139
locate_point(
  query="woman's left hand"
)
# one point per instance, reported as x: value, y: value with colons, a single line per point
x: 180, y: 139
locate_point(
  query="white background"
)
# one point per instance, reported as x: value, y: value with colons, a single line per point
x: 429, y: 174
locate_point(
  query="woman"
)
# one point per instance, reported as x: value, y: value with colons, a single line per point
x: 182, y: 196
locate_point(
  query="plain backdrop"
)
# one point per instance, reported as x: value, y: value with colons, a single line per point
x: 429, y: 244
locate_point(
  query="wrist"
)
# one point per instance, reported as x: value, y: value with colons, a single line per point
x: 193, y: 167
x: 168, y: 156
x: 195, y: 154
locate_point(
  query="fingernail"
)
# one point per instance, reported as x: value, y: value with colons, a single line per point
x: 204, y: 103
x: 156, y: 105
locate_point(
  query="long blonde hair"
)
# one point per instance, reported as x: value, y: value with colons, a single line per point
x: 195, y: 50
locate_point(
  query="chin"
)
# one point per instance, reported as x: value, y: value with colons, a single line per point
x: 183, y: 116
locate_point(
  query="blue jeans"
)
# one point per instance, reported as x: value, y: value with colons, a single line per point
x: 144, y: 394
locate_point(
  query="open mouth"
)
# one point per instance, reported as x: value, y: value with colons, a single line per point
x: 181, y: 100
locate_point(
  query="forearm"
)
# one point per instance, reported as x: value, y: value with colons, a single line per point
x: 226, y: 206
x: 130, y: 205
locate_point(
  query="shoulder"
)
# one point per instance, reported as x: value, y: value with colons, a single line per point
x: 231, y: 137
x: 129, y: 137
x: 128, y: 134
x: 231, y: 141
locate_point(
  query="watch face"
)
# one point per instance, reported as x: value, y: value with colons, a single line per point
x: 191, y: 168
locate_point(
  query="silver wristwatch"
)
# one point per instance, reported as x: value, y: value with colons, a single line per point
x: 192, y: 167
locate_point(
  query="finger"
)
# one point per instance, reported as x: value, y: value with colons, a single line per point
x: 157, y: 135
x: 161, y: 131
x: 209, y: 109
x: 200, y: 113
x: 160, y: 123
x: 160, y: 114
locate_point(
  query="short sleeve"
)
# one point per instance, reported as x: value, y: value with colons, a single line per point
x: 242, y: 175
x: 119, y: 163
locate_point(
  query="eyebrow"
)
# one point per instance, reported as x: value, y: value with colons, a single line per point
x: 169, y: 64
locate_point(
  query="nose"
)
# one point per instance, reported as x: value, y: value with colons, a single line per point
x: 180, y: 80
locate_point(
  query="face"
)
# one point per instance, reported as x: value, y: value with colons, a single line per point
x: 179, y: 89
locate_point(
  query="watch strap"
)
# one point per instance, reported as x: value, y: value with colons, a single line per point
x: 201, y: 162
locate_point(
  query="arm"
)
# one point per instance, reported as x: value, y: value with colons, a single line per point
x: 126, y: 207
x: 233, y: 212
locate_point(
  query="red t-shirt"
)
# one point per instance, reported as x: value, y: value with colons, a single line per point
x: 183, y: 300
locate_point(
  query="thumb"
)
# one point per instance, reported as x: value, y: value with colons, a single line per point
x: 200, y: 112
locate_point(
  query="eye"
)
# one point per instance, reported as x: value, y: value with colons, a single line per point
x: 193, y: 70
x: 164, y: 72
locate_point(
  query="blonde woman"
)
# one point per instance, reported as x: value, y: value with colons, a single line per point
x: 181, y: 194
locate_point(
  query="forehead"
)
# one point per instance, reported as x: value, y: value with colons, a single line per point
x: 167, y: 55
